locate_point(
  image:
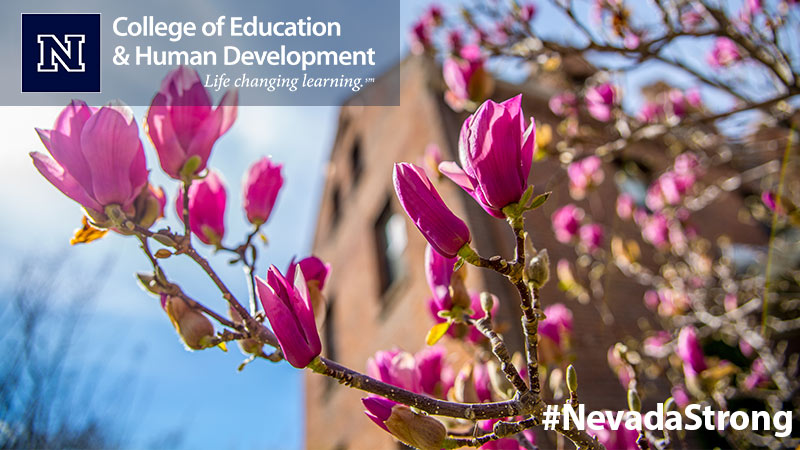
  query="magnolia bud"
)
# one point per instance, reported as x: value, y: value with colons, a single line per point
x: 634, y: 403
x: 538, y: 269
x: 458, y: 291
x: 464, y: 387
x: 193, y: 327
x: 247, y: 346
x: 572, y: 379
x: 487, y: 302
x: 149, y: 206
x: 416, y: 430
x: 149, y: 282
x: 500, y: 384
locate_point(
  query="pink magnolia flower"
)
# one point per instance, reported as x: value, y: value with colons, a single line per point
x: 395, y: 367
x: 724, y: 53
x: 444, y: 230
x: 439, y: 272
x: 731, y: 302
x: 436, y: 376
x: 667, y: 301
x: 414, y: 430
x: 420, y: 36
x: 651, y: 112
x: 651, y: 299
x: 455, y: 40
x: 473, y: 384
x: 746, y: 349
x: 483, y: 384
x: 313, y: 268
x: 261, y: 187
x: 431, y: 160
x: 623, y: 438
x: 557, y: 324
x: 693, y: 17
x: 287, y: 305
x: 625, y: 206
x: 466, y: 77
x: 182, y: 124
x: 664, y: 191
x: 750, y: 9
x: 207, y: 200
x: 566, y: 222
x: 158, y: 194
x: 501, y: 32
x: 690, y: 352
x: 564, y: 104
x: 433, y: 15
x: 769, y: 200
x: 96, y: 157
x: 656, y: 345
x: 758, y: 375
x: 670, y: 188
x: 496, y: 153
x: 686, y: 164
x: 680, y: 396
x: 527, y: 12
x: 584, y: 174
x: 379, y: 410
x: 556, y: 331
x: 678, y: 103
x: 623, y: 371
x: 600, y: 101
x: 694, y: 98
x: 591, y: 236
x: 631, y: 40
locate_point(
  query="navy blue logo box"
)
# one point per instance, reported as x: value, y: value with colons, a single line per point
x: 60, y: 52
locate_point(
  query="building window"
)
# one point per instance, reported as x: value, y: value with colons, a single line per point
x: 356, y: 161
x: 329, y: 339
x: 336, y: 205
x: 390, y: 240
x: 329, y: 331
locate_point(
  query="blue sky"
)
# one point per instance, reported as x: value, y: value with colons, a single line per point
x: 201, y: 393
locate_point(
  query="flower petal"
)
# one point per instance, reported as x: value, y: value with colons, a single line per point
x: 110, y: 142
x: 62, y: 180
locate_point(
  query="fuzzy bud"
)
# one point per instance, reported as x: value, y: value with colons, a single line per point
x: 487, y: 302
x: 247, y: 346
x: 192, y: 326
x: 149, y: 283
x: 538, y: 269
x: 500, y: 384
x: 634, y: 402
x: 572, y: 379
x: 416, y: 430
x: 464, y: 390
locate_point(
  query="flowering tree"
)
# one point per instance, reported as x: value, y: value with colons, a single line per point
x: 97, y: 159
x: 727, y: 92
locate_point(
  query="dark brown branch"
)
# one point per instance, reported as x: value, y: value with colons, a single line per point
x: 469, y: 411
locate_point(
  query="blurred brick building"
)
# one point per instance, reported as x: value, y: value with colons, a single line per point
x: 377, y: 294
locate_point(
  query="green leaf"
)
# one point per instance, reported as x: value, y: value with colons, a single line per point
x: 539, y: 200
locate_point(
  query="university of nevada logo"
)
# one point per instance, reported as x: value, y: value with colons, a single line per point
x: 60, y: 52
